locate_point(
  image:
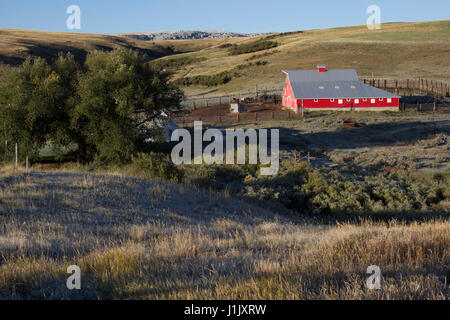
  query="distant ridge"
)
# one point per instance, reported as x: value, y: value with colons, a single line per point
x: 187, y: 35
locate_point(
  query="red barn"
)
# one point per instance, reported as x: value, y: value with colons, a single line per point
x: 324, y: 89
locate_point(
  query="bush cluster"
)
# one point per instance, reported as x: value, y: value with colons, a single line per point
x: 175, y: 63
x: 155, y: 166
x: 305, y: 190
x: 205, y: 80
x: 255, y: 46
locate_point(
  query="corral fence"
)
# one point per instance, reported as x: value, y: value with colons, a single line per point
x: 432, y: 87
x: 438, y: 88
x: 271, y: 95
x: 240, y: 117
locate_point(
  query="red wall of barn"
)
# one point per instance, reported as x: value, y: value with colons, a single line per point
x: 326, y: 103
x: 290, y: 101
x: 288, y: 95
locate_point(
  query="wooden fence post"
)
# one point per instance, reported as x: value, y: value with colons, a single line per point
x: 26, y: 165
x: 435, y: 104
x: 17, y: 156
x: 6, y: 150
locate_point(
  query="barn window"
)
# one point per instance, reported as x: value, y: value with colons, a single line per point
x: 316, y: 100
x: 372, y: 100
x: 341, y: 101
x: 332, y: 100
x: 364, y: 99
x: 348, y: 100
x: 389, y: 100
x: 381, y: 99
x: 356, y: 101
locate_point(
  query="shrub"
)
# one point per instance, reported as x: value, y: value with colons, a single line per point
x: 208, y: 81
x: 154, y: 165
x: 255, y: 46
x: 176, y: 62
x: 351, y: 193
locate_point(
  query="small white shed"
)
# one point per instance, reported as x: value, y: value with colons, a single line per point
x: 238, y: 108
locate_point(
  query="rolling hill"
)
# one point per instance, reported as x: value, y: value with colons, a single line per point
x: 397, y: 50
x: 16, y: 45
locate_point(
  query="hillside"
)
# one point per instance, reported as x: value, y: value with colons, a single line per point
x: 16, y: 45
x: 397, y: 50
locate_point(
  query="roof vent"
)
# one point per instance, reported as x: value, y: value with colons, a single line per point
x: 321, y: 68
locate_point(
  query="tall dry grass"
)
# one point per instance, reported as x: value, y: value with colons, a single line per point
x: 141, y: 239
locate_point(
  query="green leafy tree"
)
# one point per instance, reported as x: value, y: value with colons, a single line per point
x: 35, y: 100
x: 113, y: 87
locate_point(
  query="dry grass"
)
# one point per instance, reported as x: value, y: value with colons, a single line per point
x: 398, y: 50
x: 413, y: 50
x: 142, y: 239
x: 16, y: 45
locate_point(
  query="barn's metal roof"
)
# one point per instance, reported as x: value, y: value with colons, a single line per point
x: 337, y: 89
x: 314, y: 76
x: 333, y: 84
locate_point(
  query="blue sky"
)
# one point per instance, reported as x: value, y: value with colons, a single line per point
x: 109, y: 17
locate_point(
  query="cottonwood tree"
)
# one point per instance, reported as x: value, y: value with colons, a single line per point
x: 35, y: 101
x: 113, y: 87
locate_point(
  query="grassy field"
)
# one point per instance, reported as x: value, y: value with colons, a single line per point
x: 141, y: 239
x: 226, y: 233
x: 397, y: 50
